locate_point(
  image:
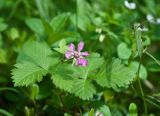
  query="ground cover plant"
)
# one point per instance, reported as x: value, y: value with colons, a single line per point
x: 79, y: 58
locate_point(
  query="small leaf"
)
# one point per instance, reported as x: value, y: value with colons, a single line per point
x: 133, y: 110
x: 29, y: 111
x: 14, y: 33
x: 91, y: 113
x: 123, y: 51
x: 105, y: 110
x: 62, y: 47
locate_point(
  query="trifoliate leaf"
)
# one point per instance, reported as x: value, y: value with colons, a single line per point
x: 84, y: 89
x: 27, y: 73
x: 61, y: 77
x: 74, y: 79
x: 123, y: 51
x: 143, y: 71
x: 38, y: 53
x: 115, y: 75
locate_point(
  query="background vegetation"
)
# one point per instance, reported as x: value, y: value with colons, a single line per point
x: 107, y: 27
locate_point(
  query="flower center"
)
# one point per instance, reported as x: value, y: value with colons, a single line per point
x: 76, y: 54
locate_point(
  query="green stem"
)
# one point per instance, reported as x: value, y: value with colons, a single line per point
x: 157, y: 61
x: 140, y: 87
x: 76, y: 16
x: 14, y: 9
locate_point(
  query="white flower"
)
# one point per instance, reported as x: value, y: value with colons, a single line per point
x: 150, y: 18
x: 98, y: 113
x: 98, y: 30
x: 101, y: 37
x: 158, y: 20
x: 144, y: 29
x: 130, y: 5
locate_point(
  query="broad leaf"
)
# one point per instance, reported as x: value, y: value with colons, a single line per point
x: 59, y: 22
x: 36, y: 25
x: 38, y: 53
x: 27, y: 73
x: 84, y: 89
x: 115, y: 75
x: 61, y: 77
x: 94, y: 63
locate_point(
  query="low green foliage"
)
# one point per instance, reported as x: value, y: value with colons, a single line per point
x: 79, y: 58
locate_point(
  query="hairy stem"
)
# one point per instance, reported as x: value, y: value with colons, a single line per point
x: 140, y: 87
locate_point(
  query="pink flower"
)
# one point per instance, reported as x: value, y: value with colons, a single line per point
x: 77, y: 55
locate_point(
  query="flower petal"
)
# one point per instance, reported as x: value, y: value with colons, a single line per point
x: 69, y: 54
x: 84, y: 53
x: 82, y: 62
x: 71, y: 47
x: 80, y: 46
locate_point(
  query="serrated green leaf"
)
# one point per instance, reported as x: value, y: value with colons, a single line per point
x: 84, y: 89
x: 94, y: 62
x: 27, y: 73
x: 38, y: 53
x: 116, y: 75
x: 123, y: 51
x: 120, y: 75
x: 61, y: 77
x: 101, y: 78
